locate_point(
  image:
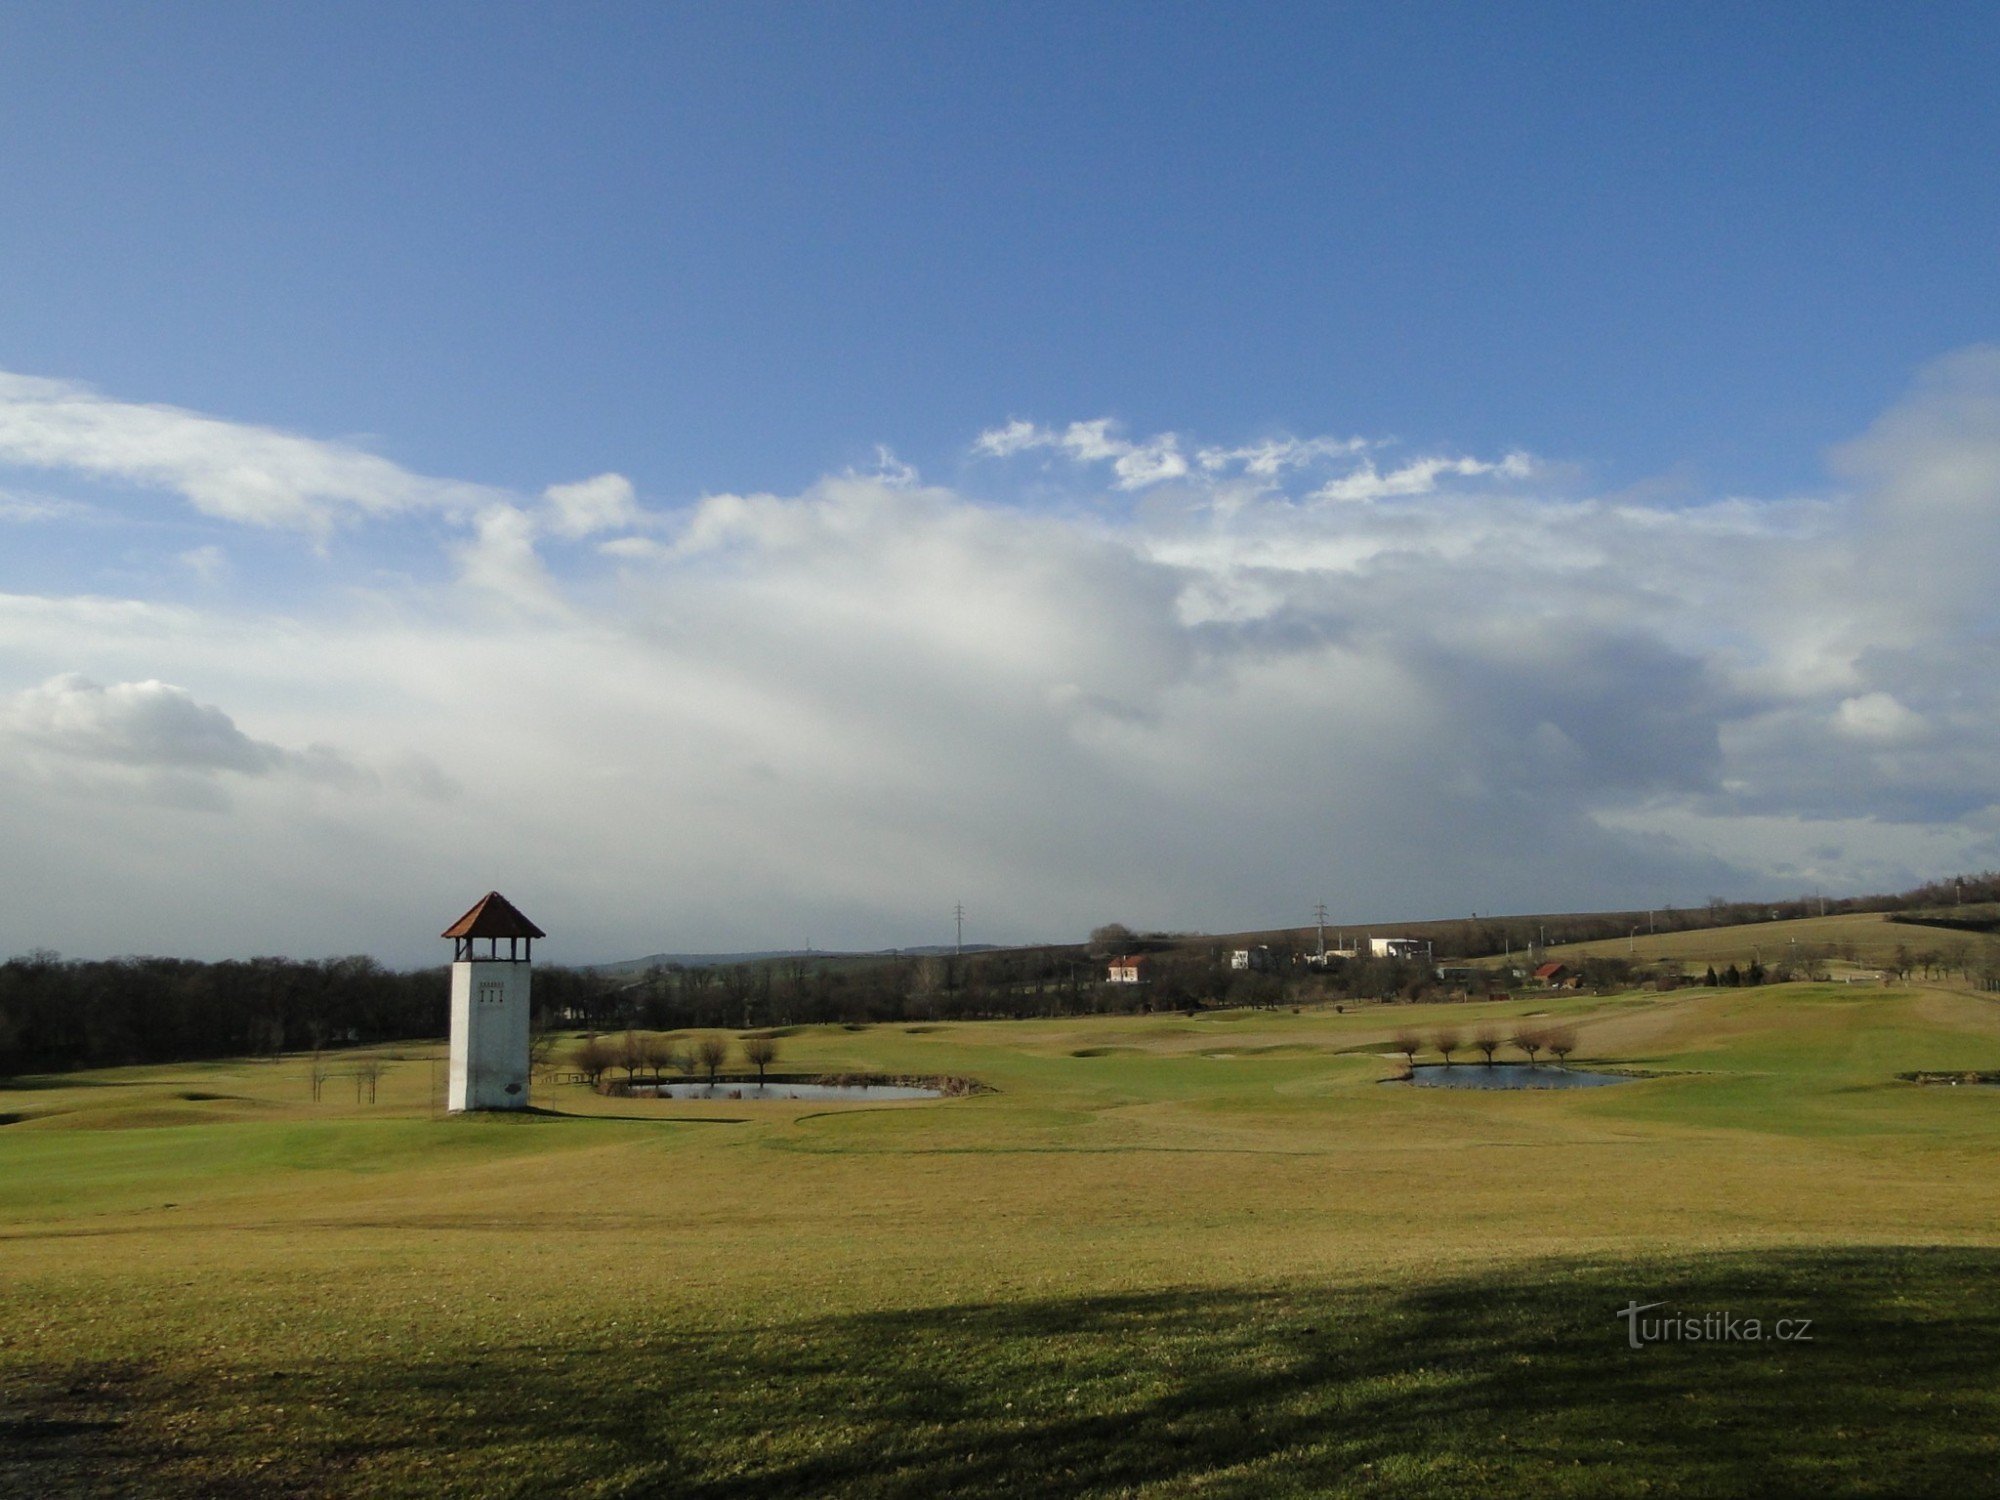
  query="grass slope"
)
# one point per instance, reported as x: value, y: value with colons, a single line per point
x: 1169, y: 1256
x: 1869, y: 937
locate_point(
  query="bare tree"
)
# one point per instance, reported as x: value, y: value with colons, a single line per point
x: 541, y: 1041
x: 1529, y: 1042
x: 760, y: 1052
x: 1561, y: 1042
x: 367, y: 1074
x: 1487, y: 1040
x: 739, y: 984
x: 710, y: 1053
x: 1409, y: 1044
x: 632, y: 1055
x: 1957, y: 955
x: 663, y: 1055
x: 1447, y: 1041
x: 593, y: 1057
x: 318, y: 1074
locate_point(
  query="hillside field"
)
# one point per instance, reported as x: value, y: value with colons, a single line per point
x: 1870, y: 939
x: 1167, y: 1256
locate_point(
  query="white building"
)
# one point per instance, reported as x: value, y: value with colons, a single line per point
x: 1259, y: 959
x: 489, y: 1006
x: 1397, y: 947
x: 1127, y: 970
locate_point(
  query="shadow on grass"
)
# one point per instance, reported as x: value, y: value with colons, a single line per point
x: 541, y: 1114
x: 1511, y: 1383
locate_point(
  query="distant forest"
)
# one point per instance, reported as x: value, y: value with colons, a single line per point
x: 57, y: 1013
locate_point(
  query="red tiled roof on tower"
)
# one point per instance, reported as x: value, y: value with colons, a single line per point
x: 493, y: 916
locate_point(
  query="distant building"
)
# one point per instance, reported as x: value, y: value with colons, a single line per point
x: 1397, y: 947
x: 1556, y: 976
x: 1259, y: 959
x: 1128, y: 970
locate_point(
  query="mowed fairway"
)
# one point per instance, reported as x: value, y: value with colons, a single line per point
x: 1167, y: 1256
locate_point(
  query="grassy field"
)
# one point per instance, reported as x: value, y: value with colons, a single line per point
x: 1204, y: 1255
x: 1868, y: 939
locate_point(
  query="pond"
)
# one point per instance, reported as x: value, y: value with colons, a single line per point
x: 820, y: 1091
x: 1952, y: 1080
x: 1507, y: 1076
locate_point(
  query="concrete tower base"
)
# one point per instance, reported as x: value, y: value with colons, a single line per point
x: 489, y: 1035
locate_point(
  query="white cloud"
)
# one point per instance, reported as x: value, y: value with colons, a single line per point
x: 1877, y: 717
x: 1016, y: 437
x: 1272, y: 458
x: 499, y: 560
x: 1136, y: 465
x: 890, y: 470
x: 855, y: 705
x: 1089, y: 442
x: 253, y: 475
x: 147, y: 724
x: 1418, y: 477
x: 1152, y: 463
x: 209, y: 564
x: 21, y: 508
x: 1267, y: 464
x: 605, y: 503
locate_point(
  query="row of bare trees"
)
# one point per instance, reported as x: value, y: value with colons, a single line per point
x: 364, y: 1070
x: 657, y: 1054
x: 1531, y: 1042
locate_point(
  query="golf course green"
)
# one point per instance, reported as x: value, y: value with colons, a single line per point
x: 1164, y: 1255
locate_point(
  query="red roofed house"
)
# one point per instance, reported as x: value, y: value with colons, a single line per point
x: 1128, y: 970
x: 1557, y: 976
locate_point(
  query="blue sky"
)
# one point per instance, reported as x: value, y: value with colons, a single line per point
x: 719, y: 246
x: 1701, y: 283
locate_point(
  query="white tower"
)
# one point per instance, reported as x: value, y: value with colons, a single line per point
x: 489, y: 1006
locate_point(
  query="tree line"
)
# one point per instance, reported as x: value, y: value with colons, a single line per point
x: 57, y: 1013
x: 86, y: 1013
x: 1530, y: 1041
x: 648, y: 1053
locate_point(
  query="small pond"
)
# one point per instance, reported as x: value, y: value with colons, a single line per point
x: 1952, y: 1080
x: 1507, y: 1076
x: 734, y: 1091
